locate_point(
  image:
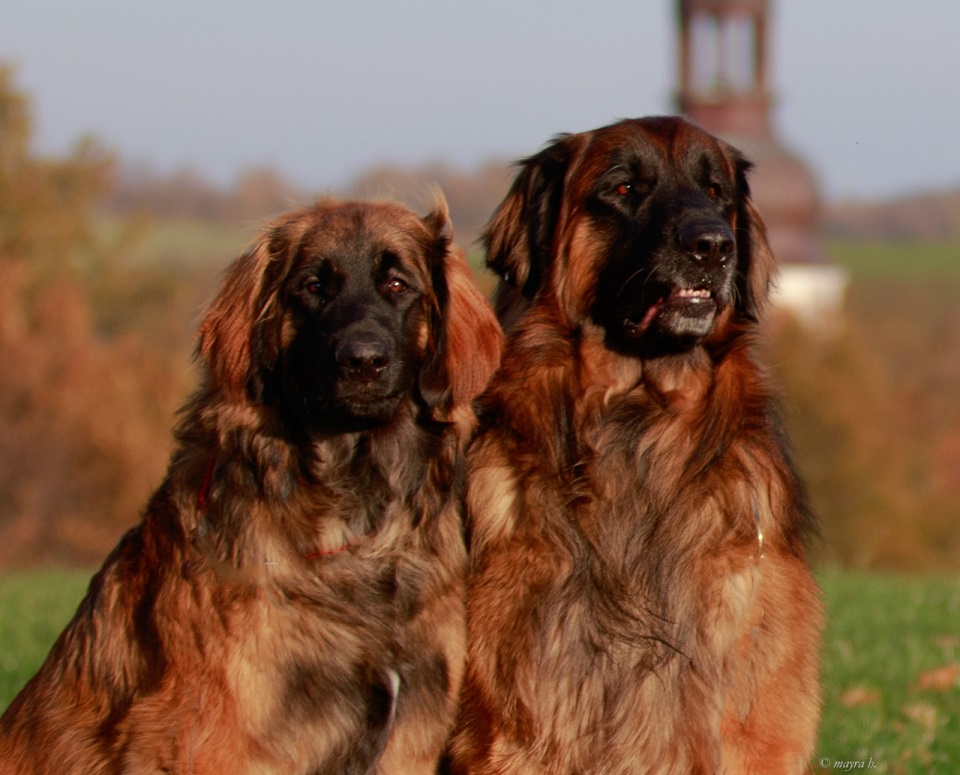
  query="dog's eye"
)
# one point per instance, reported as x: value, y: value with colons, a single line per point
x: 713, y: 191
x: 396, y: 285
x: 624, y: 189
x: 317, y: 291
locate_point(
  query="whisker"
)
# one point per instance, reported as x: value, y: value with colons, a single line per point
x: 630, y: 279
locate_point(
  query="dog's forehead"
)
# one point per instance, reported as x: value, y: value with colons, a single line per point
x: 354, y: 231
x: 665, y: 140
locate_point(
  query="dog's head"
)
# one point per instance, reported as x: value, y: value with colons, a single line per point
x: 644, y: 227
x: 340, y: 313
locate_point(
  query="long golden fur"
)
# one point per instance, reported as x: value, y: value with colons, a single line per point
x: 639, y: 600
x: 292, y: 601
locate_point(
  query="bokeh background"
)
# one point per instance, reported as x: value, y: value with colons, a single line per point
x: 141, y: 144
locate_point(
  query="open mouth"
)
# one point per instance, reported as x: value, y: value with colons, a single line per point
x: 681, y: 303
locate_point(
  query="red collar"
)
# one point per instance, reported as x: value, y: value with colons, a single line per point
x: 203, y: 497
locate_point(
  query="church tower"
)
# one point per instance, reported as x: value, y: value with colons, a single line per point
x: 724, y: 87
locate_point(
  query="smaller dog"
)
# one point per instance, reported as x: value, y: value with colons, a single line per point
x: 292, y: 601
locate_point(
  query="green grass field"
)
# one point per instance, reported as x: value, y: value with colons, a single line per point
x: 904, y: 260
x: 34, y: 607
x: 891, y: 672
x: 891, y: 663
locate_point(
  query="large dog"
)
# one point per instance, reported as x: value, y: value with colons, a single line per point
x: 640, y: 602
x: 292, y: 601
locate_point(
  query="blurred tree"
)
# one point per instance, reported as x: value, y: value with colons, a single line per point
x: 181, y: 194
x: 472, y: 196
x: 840, y: 421
x: 85, y: 417
x: 45, y: 205
x: 261, y: 193
x: 94, y: 360
x: 874, y: 414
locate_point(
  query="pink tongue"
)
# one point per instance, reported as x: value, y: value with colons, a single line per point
x: 652, y: 312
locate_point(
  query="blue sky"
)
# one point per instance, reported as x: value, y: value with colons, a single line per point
x: 867, y: 91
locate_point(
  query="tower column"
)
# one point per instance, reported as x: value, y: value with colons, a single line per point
x: 724, y: 87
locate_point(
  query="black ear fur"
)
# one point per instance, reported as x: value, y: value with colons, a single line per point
x: 755, y: 261
x: 265, y: 326
x: 519, y: 236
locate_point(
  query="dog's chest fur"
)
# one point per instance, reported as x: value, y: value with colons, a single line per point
x: 301, y: 605
x: 624, y: 608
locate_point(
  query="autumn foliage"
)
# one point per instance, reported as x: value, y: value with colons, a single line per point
x: 874, y: 413
x: 85, y: 410
x: 95, y: 353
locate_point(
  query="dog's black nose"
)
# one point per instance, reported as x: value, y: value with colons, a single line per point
x: 707, y: 241
x: 363, y: 355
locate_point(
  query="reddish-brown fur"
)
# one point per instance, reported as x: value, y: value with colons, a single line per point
x: 639, y: 600
x: 282, y: 584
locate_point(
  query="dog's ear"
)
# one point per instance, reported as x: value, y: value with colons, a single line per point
x: 474, y: 340
x: 465, y: 340
x: 519, y: 236
x: 755, y: 261
x: 238, y: 341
